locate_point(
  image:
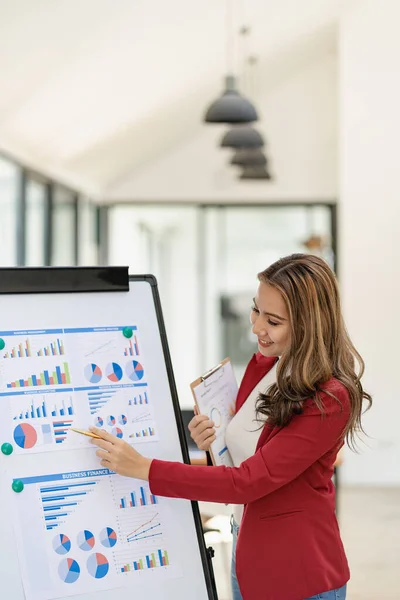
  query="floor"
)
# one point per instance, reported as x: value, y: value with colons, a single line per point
x: 370, y: 525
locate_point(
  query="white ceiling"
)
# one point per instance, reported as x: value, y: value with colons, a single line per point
x: 92, y: 90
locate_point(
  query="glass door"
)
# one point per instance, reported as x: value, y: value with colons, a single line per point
x: 9, y: 185
x: 36, y: 233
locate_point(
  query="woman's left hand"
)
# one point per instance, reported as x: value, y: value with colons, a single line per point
x: 119, y: 456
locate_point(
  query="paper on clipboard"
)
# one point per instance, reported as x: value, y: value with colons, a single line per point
x: 215, y: 396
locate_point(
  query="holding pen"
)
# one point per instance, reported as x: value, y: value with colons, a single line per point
x: 84, y: 432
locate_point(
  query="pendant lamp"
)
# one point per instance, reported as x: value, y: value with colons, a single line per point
x: 242, y: 136
x: 231, y: 107
x: 255, y: 173
x: 249, y: 157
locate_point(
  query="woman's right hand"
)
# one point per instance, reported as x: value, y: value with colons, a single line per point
x: 202, y: 431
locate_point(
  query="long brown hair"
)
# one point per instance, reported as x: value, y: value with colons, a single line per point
x: 320, y: 347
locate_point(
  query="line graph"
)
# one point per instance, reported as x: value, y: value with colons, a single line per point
x: 141, y: 529
x: 140, y: 532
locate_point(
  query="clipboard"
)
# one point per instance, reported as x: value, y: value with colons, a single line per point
x: 215, y: 394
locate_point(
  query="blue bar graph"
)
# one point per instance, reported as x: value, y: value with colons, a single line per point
x: 143, y: 499
x: 57, y: 507
x: 39, y: 407
x: 139, y: 399
x: 60, y: 429
x: 97, y: 399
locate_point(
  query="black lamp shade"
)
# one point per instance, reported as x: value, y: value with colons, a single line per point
x: 255, y: 173
x: 242, y: 136
x: 231, y: 107
x: 249, y: 158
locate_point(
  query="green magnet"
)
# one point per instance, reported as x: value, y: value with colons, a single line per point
x: 128, y: 332
x: 2, y: 344
x: 17, y: 486
x: 7, y: 449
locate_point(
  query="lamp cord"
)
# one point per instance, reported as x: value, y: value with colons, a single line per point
x: 230, y: 38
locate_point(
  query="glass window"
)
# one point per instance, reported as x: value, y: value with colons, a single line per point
x: 206, y: 261
x: 247, y: 240
x: 9, y: 185
x: 163, y: 241
x: 36, y: 212
x: 87, y: 232
x: 63, y: 227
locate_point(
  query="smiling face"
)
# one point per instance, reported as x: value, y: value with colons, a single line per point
x: 270, y: 320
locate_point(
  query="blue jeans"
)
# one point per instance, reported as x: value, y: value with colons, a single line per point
x: 339, y: 594
x: 236, y: 595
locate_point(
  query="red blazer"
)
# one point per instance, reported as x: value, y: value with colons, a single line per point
x: 289, y: 546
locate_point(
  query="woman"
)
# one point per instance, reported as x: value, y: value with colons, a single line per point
x: 285, y: 436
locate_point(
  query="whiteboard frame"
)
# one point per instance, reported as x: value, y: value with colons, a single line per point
x: 206, y: 553
x: 45, y: 280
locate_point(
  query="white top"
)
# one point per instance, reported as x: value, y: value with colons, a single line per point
x: 243, y: 432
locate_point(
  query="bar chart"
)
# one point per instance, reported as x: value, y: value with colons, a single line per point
x: 139, y: 399
x: 33, y: 343
x: 22, y: 350
x: 60, y: 430
x: 132, y: 493
x: 158, y: 558
x: 98, y: 398
x: 55, y: 348
x: 45, y: 406
x: 143, y: 433
x: 61, y: 500
x: 133, y: 348
x: 134, y: 498
x: 60, y: 376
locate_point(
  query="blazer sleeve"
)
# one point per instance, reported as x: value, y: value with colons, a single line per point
x: 289, y: 453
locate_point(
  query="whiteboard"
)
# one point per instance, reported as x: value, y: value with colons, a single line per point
x: 77, y: 530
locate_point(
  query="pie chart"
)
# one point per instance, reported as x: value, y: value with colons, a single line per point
x: 25, y: 436
x: 99, y: 422
x: 215, y: 416
x: 111, y: 420
x: 97, y: 565
x: 93, y: 373
x: 134, y: 370
x: 122, y: 419
x: 117, y: 432
x: 114, y: 372
x: 62, y: 544
x: 69, y: 570
x: 86, y: 540
x: 108, y: 537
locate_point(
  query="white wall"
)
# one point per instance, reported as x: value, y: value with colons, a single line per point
x: 370, y: 215
x: 299, y: 120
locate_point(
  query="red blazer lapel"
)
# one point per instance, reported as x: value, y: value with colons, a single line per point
x: 258, y: 366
